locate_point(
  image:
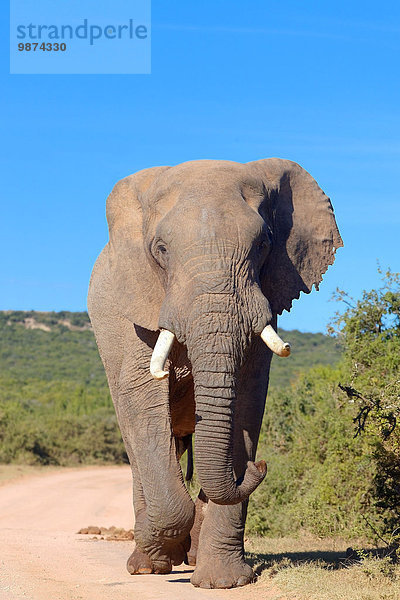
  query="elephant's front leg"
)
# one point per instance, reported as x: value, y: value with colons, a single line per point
x: 220, y: 556
x: 164, y: 511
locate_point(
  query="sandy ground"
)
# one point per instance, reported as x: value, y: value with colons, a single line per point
x: 42, y: 557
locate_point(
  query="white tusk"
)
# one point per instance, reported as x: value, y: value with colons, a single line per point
x: 160, y: 354
x: 274, y: 342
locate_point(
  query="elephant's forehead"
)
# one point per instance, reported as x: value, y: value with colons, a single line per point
x: 208, y: 217
x: 206, y: 199
x: 200, y: 168
x: 205, y: 179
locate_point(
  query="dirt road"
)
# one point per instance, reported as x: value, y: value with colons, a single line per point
x: 42, y: 558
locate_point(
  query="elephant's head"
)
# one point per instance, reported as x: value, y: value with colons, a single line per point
x: 210, y: 252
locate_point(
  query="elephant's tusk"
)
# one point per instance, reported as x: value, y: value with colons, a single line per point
x: 160, y: 354
x: 274, y: 342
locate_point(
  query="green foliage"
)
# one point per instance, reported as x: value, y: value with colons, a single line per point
x: 371, y: 330
x: 331, y: 438
x: 55, y: 407
x: 318, y: 474
x: 58, y: 354
x: 308, y: 350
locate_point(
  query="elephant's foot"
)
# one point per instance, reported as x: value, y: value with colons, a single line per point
x: 222, y: 571
x: 170, y: 554
x: 139, y: 563
x: 161, y: 560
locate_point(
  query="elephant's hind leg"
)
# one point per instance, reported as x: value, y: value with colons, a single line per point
x: 200, y: 508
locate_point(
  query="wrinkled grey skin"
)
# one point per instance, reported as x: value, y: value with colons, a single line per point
x: 212, y: 251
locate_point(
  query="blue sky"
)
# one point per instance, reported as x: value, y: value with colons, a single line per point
x: 314, y: 82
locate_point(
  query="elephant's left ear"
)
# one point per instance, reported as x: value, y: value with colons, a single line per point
x: 304, y: 230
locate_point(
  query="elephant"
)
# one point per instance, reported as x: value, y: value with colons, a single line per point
x: 202, y: 258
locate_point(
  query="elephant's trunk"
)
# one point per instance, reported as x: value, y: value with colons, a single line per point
x: 215, y: 399
x: 216, y: 360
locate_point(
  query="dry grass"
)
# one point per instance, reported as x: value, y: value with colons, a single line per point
x: 309, y: 568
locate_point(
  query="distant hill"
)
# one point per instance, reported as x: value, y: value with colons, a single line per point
x: 53, y: 345
x: 49, y: 346
x: 55, y: 406
x: 308, y: 350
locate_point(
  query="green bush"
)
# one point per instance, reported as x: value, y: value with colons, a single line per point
x: 371, y: 328
x: 58, y: 423
x: 331, y: 439
x: 55, y: 407
x: 318, y: 474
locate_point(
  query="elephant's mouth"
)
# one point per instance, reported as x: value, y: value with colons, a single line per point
x: 166, y: 339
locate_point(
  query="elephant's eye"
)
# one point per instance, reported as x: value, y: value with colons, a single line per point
x: 160, y: 253
x: 264, y: 243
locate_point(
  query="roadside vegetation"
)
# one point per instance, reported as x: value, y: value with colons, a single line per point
x: 326, y: 523
x: 55, y: 408
x: 332, y: 440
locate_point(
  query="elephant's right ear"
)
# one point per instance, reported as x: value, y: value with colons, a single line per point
x: 136, y: 286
